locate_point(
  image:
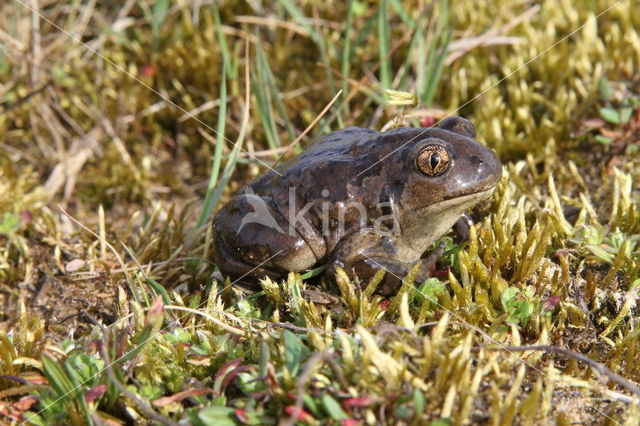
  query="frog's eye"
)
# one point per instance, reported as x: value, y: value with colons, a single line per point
x: 433, y: 160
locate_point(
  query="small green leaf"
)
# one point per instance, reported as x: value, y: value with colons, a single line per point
x: 625, y: 114
x: 33, y: 419
x: 139, y: 341
x: 632, y: 149
x: 218, y: 416
x: 314, y: 272
x: 403, y: 412
x: 57, y: 377
x: 508, y: 294
x: 603, y: 139
x: 311, y: 404
x: 158, y: 288
x: 9, y: 223
x: 418, y: 402
x: 600, y: 253
x: 245, y: 307
x: 517, y: 304
x: 84, y: 367
x: 294, y: 352
x: 604, y: 88
x: 333, y: 408
x: 610, y: 114
x: 430, y: 290
x: 403, y: 14
x: 263, y: 360
x: 360, y: 8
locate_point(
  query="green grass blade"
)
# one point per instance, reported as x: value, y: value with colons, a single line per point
x: 383, y: 39
x: 415, y: 45
x: 228, y: 171
x: 209, y: 200
x: 438, y: 48
x: 77, y: 385
x: 262, y: 90
x: 224, y: 48
x: 302, y: 20
x: 402, y: 12
x: 434, y: 70
x: 345, y: 65
x: 444, y: 10
x: 314, y: 272
x: 159, y: 289
x: 157, y: 19
x: 57, y: 377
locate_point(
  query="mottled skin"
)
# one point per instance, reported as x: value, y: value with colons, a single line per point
x: 344, y: 167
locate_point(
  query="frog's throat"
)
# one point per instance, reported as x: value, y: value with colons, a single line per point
x: 430, y: 223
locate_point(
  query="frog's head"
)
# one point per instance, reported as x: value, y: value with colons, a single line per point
x: 447, y: 163
x: 448, y: 172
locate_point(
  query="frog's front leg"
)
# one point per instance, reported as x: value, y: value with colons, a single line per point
x: 364, y: 252
x: 461, y: 227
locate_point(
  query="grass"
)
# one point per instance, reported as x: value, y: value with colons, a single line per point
x: 552, y: 265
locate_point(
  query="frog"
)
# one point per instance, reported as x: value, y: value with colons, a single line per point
x: 357, y: 200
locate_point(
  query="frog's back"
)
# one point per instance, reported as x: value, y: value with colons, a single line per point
x: 318, y: 163
x: 347, y: 135
x: 336, y: 145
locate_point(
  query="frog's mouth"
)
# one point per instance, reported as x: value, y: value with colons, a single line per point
x: 447, y: 211
x: 449, y: 206
x: 468, y: 199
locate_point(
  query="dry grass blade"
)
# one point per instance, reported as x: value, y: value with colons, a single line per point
x: 458, y: 48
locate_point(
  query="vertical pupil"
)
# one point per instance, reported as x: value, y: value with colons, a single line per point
x: 434, y: 160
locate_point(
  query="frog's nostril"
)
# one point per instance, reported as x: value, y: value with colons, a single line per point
x: 475, y: 160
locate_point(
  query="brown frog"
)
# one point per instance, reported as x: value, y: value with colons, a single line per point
x: 357, y: 199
